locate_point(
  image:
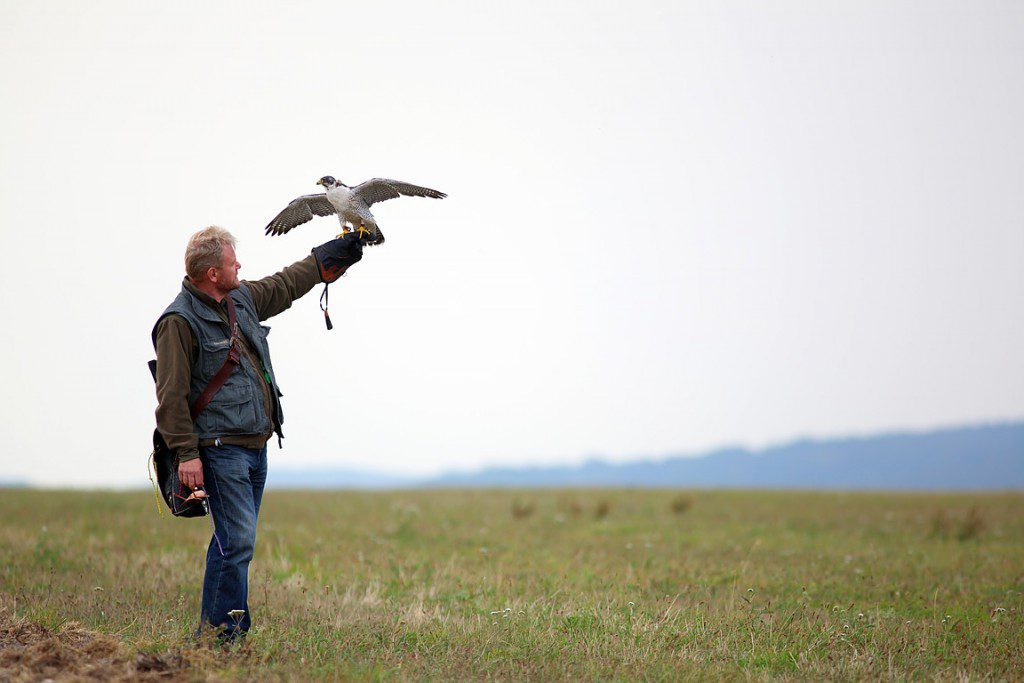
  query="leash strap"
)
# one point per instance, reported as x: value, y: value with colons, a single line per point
x: 234, y: 358
x: 323, y: 306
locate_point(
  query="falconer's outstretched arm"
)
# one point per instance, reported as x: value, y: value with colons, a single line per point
x: 328, y: 262
x: 275, y: 293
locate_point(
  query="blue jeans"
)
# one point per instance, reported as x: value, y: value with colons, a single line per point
x: 233, y: 478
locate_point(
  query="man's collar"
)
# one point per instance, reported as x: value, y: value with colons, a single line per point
x: 201, y: 295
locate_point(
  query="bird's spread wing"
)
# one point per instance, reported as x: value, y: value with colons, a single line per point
x: 299, y: 211
x: 381, y: 189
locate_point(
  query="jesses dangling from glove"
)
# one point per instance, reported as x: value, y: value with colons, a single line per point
x: 335, y: 257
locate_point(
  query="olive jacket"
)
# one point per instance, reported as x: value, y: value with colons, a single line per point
x: 176, y: 352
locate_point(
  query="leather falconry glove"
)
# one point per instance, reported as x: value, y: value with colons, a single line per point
x: 333, y: 259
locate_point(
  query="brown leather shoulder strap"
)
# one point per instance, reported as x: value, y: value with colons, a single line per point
x: 233, y: 359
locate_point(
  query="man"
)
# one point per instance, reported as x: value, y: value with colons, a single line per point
x: 223, y: 450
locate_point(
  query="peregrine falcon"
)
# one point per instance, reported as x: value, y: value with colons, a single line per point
x: 351, y: 204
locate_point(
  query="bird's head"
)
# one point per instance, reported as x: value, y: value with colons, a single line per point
x: 327, y: 181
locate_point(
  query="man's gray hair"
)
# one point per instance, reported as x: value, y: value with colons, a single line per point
x: 205, y: 250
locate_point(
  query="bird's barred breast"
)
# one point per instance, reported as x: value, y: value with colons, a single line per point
x: 340, y: 198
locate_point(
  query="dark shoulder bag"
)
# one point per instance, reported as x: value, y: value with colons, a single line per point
x: 164, y: 461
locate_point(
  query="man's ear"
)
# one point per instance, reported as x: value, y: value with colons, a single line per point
x: 211, y: 275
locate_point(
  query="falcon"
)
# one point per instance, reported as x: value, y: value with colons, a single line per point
x: 350, y: 204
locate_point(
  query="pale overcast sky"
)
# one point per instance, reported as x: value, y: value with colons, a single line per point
x: 671, y: 226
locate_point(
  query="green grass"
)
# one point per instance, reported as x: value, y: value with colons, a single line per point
x: 548, y: 584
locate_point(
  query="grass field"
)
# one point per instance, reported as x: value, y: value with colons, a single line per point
x: 527, y: 584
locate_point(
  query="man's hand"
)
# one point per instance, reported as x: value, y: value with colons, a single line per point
x: 190, y: 473
x: 335, y: 257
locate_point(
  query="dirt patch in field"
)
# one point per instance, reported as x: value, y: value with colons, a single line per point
x: 31, y: 652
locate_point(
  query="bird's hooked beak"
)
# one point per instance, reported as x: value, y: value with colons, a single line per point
x: 321, y: 183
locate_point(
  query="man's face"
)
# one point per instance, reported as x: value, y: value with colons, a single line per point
x: 225, y: 277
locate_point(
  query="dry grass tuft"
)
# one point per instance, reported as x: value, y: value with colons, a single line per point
x: 681, y: 504
x: 521, y: 509
x: 972, y: 525
x: 946, y: 525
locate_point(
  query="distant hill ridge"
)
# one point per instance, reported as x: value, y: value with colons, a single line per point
x: 984, y: 457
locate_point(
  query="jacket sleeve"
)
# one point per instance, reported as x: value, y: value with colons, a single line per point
x: 275, y: 293
x: 175, y: 353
